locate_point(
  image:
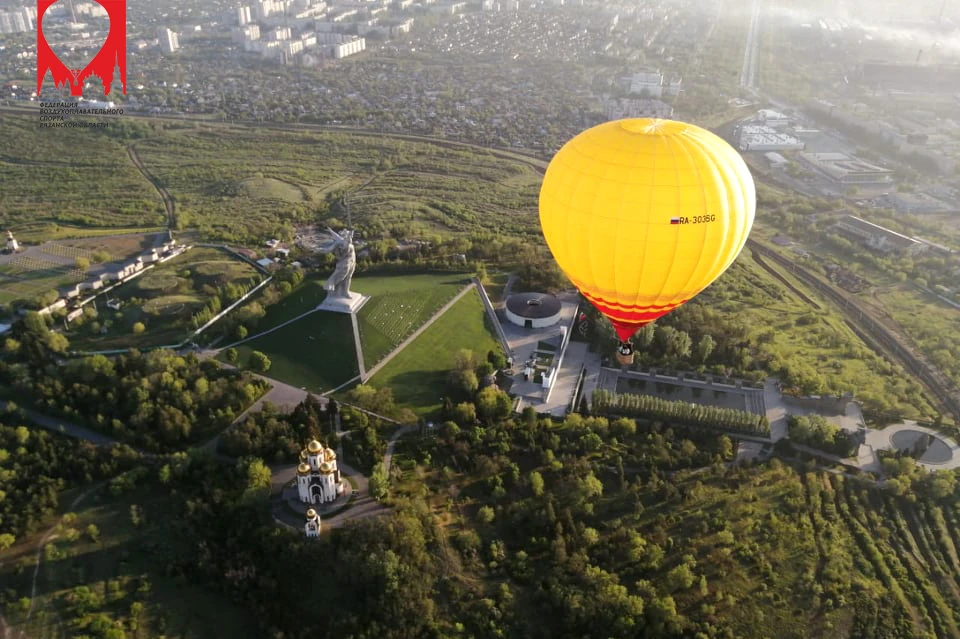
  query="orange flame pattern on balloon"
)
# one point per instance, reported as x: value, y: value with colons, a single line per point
x: 644, y: 214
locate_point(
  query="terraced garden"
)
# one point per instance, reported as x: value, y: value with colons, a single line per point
x: 166, y: 303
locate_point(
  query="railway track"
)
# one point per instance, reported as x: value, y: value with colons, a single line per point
x: 871, y: 331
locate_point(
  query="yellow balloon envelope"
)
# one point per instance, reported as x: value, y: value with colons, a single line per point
x: 644, y: 214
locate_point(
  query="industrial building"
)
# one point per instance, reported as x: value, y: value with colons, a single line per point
x: 846, y: 169
x: 755, y: 137
x: 877, y: 237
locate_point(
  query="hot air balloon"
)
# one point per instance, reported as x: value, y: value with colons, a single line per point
x: 643, y: 214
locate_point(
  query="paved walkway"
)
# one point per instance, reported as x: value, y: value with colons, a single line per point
x: 388, y: 456
x: 443, y: 309
x: 882, y: 440
x: 64, y: 427
x: 360, y: 507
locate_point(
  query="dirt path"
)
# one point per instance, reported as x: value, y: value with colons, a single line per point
x: 47, y: 537
x: 168, y: 202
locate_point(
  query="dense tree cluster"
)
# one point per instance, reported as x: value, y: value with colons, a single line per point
x: 277, y: 436
x: 157, y: 401
x: 817, y: 432
x: 35, y: 466
x: 699, y: 415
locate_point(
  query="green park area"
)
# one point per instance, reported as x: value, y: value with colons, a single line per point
x: 108, y: 560
x: 812, y: 351
x: 317, y: 351
x: 401, y: 187
x: 399, y: 305
x: 418, y: 374
x: 166, y: 303
x: 98, y: 188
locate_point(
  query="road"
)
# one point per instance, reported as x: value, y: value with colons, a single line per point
x: 748, y: 73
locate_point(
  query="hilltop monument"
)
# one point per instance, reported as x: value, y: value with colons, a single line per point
x: 340, y: 299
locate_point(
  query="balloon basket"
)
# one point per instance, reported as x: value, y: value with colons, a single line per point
x: 624, y: 360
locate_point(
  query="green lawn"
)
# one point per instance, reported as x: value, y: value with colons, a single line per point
x: 316, y: 352
x: 494, y: 286
x: 398, y: 305
x: 126, y: 555
x: 418, y: 374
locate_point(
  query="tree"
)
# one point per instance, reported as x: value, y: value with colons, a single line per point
x: 82, y: 263
x: 493, y: 404
x: 704, y: 348
x: 232, y: 355
x: 680, y: 578
x: 465, y: 380
x: 93, y: 533
x: 138, y: 328
x: 497, y: 359
x: 6, y: 540
x: 485, y: 515
x: 644, y: 337
x: 465, y: 414
x: 536, y: 483
x: 259, y: 362
x: 241, y: 332
x: 379, y: 484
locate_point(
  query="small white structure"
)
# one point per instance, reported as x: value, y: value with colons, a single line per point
x: 12, y: 245
x: 318, y: 478
x: 312, y: 527
x: 533, y: 310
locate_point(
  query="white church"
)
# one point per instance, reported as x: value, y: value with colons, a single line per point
x: 318, y: 478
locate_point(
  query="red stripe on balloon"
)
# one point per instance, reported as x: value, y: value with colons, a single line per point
x: 626, y: 323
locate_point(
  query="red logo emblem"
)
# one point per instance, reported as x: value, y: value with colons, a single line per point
x: 113, y: 53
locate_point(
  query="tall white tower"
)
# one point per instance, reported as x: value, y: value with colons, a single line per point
x: 303, y: 483
x: 328, y: 481
x: 312, y: 527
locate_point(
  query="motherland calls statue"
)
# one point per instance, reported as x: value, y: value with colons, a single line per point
x: 338, y: 285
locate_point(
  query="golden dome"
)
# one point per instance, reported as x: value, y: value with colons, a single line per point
x: 303, y: 455
x: 303, y: 469
x: 330, y: 454
x: 326, y: 468
x: 314, y: 447
x: 311, y: 514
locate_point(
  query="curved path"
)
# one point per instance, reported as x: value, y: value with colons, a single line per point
x: 168, y: 202
x: 361, y: 506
